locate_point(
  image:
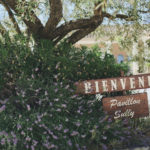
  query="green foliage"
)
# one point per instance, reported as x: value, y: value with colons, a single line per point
x: 42, y: 112
x: 42, y: 116
x: 64, y: 63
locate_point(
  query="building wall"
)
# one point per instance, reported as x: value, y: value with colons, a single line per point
x: 113, y: 48
x: 105, y: 46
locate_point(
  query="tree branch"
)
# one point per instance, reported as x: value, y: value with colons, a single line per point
x: 75, y: 37
x: 59, y: 38
x: 144, y: 11
x: 11, y: 16
x: 35, y: 27
x: 2, y: 29
x: 56, y: 14
x: 120, y: 16
x: 75, y: 25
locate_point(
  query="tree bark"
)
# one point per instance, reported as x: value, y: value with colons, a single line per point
x: 56, y: 14
x: 35, y: 26
x: 75, y: 25
x: 75, y: 37
x: 76, y: 29
x: 120, y: 16
x: 11, y: 16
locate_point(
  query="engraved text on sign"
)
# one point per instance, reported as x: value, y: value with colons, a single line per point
x: 113, y: 84
x: 131, y: 106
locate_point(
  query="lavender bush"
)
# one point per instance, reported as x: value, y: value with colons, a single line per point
x: 52, y: 117
x: 38, y: 106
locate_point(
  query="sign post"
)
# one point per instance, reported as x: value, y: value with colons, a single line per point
x: 113, y: 84
x: 130, y: 106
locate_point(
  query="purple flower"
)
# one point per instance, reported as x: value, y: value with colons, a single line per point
x: 15, y: 141
x: 30, y: 129
x: 74, y: 96
x: 50, y: 104
x: 4, y: 133
x: 37, y: 90
x: 69, y: 142
x: 56, y: 100
x: 77, y: 145
x: 66, y: 130
x: 58, y: 127
x: 57, y: 65
x: 36, y: 121
x: 46, y: 93
x: 28, y: 139
x: 19, y: 126
x: 55, y: 76
x: 66, y: 119
x: 64, y: 105
x: 28, y: 107
x: 91, y: 130
x: 77, y: 124
x: 67, y: 86
x: 55, y: 83
x: 84, y: 147
x: 109, y: 120
x: 32, y: 147
x: 90, y: 111
x: 32, y: 76
x: 8, y: 140
x: 50, y: 132
x: 78, y: 111
x: 104, y: 147
x: 13, y: 134
x: 2, y: 108
x: 22, y: 132
x: 104, y: 137
x: 3, y: 102
x: 58, y: 110
x: 122, y: 138
x: 23, y: 93
x: 103, y: 119
x: 36, y: 69
x: 56, y: 90
x: 27, y: 146
x: 55, y: 137
x: 51, y: 146
x: 3, y: 141
x: 74, y: 133
x: 35, y: 142
x: 83, y: 136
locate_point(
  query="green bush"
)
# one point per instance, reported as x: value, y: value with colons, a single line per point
x: 42, y: 111
x: 44, y: 117
x: 62, y: 63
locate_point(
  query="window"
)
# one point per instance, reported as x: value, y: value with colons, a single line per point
x: 120, y: 59
x: 129, y: 58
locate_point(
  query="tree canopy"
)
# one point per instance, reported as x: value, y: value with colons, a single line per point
x: 55, y: 20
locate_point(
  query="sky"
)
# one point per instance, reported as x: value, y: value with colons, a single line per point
x: 43, y: 17
x: 2, y: 12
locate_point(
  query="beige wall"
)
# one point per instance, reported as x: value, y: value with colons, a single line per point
x: 114, y: 47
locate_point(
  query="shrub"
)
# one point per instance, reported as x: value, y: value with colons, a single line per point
x: 52, y: 117
x: 65, y: 61
x: 42, y: 111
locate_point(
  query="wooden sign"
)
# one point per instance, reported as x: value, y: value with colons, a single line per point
x: 113, y: 84
x: 131, y: 106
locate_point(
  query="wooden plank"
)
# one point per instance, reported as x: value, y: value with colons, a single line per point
x: 131, y: 106
x: 113, y: 84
